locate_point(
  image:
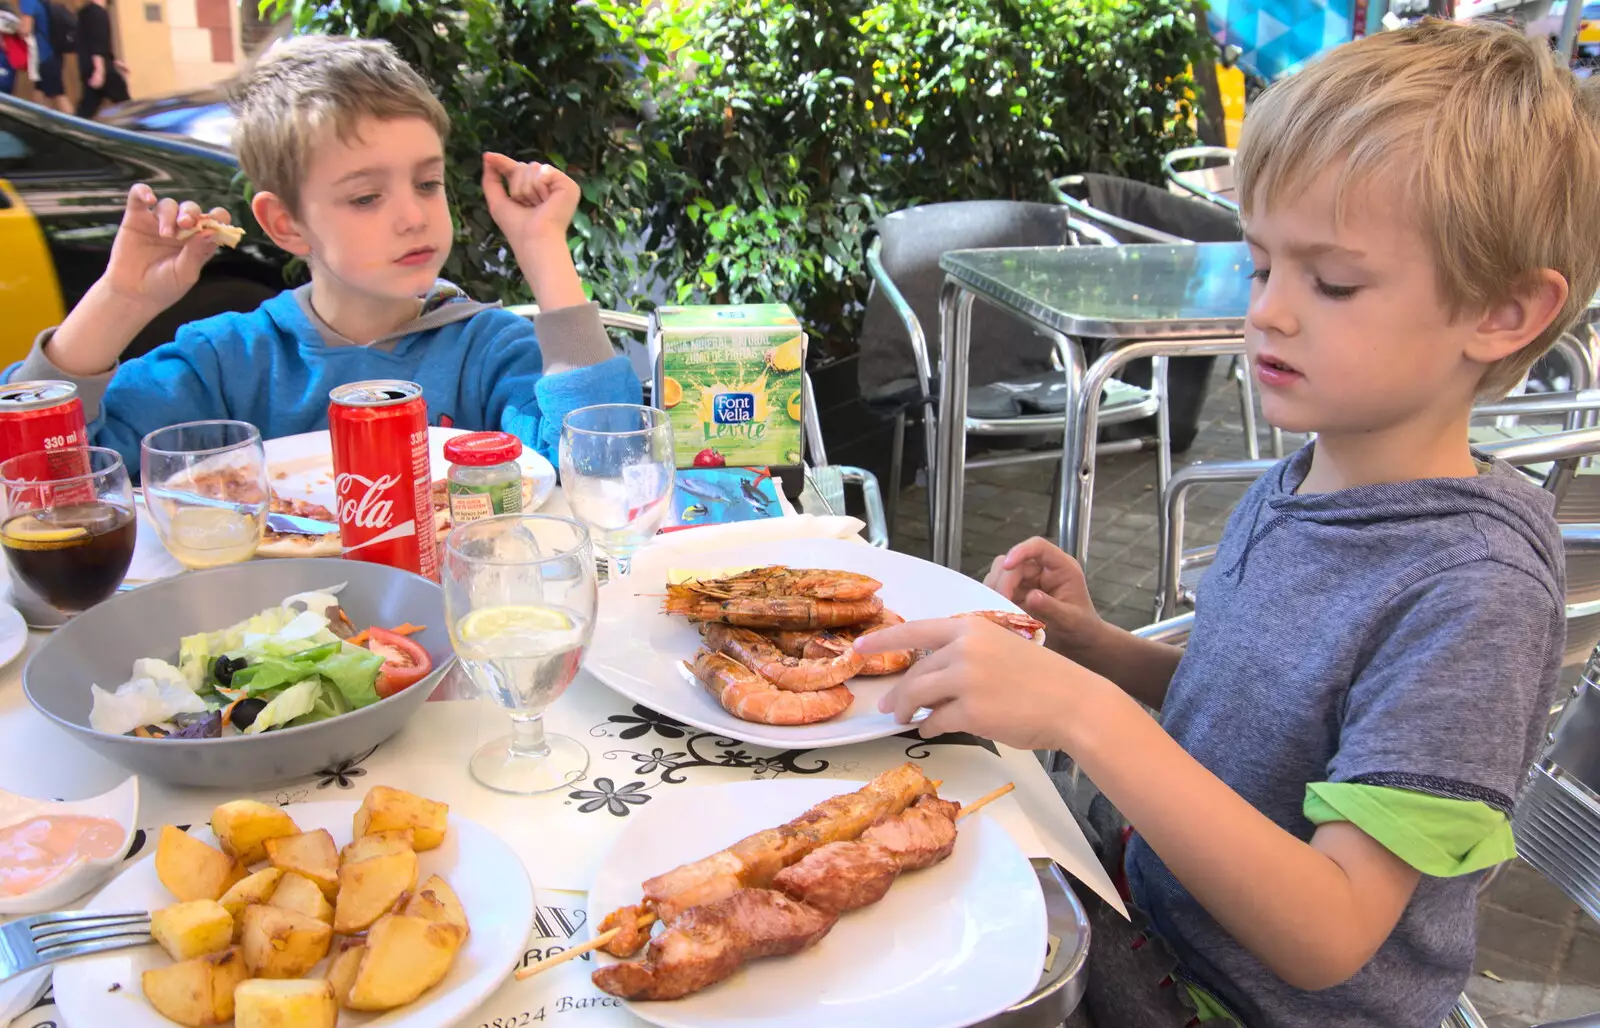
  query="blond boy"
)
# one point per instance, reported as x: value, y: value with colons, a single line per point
x: 345, y: 147
x: 1378, y: 641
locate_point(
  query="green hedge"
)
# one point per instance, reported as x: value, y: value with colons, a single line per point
x: 738, y: 150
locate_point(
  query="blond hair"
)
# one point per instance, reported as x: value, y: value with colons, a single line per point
x: 308, y: 85
x: 1493, y: 146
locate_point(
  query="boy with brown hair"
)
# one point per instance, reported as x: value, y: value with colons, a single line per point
x: 344, y: 144
x: 1377, y: 644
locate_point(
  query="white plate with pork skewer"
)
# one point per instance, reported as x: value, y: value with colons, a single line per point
x: 639, y: 650
x: 948, y: 945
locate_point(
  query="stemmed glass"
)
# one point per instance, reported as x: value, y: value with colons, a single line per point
x: 205, y: 486
x: 520, y: 594
x: 69, y: 524
x: 617, y: 466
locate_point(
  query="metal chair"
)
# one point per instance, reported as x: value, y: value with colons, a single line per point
x: 828, y: 480
x: 1211, y: 182
x: 1553, y: 459
x: 1019, y: 389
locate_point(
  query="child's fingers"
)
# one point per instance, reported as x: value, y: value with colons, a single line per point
x: 220, y: 215
x: 188, y: 214
x: 167, y: 217
x: 495, y: 169
x: 196, y: 251
x: 1037, y: 549
x: 950, y: 717
x: 913, y: 635
x: 925, y: 690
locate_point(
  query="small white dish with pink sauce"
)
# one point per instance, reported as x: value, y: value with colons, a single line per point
x: 51, y: 853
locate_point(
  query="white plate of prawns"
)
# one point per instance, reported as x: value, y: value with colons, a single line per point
x: 947, y: 945
x: 658, y: 659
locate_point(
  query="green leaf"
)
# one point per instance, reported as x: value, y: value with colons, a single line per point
x: 581, y: 222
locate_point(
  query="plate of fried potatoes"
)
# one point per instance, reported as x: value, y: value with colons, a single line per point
x: 389, y: 912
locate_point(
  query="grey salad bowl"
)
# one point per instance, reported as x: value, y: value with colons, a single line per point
x: 100, y: 645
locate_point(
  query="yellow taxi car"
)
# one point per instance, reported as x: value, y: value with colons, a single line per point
x: 63, y: 187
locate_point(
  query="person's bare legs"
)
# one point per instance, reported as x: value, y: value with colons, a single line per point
x: 62, y: 104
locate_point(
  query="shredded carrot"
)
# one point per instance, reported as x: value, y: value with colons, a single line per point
x: 408, y: 629
x: 227, y: 712
x: 360, y: 638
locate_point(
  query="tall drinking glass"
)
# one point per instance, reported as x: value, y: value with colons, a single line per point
x: 69, y: 526
x: 205, y: 486
x: 617, y: 465
x: 520, y: 593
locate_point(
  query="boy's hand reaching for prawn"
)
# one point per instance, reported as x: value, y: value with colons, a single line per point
x: 1040, y: 578
x: 981, y: 678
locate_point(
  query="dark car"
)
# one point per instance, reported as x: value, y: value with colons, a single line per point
x: 200, y: 114
x: 63, y: 188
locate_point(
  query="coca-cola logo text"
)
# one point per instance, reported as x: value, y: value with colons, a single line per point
x: 371, y: 509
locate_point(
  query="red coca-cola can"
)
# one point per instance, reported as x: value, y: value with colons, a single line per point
x: 45, y: 416
x: 381, y: 479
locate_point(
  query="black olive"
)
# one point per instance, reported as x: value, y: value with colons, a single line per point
x: 245, y: 711
x: 224, y: 668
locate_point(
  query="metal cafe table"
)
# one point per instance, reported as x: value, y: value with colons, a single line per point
x: 1156, y: 301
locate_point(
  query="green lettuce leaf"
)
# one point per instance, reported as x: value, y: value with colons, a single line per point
x: 293, y: 702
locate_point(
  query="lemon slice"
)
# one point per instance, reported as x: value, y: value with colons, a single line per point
x: 45, y: 535
x: 493, y: 622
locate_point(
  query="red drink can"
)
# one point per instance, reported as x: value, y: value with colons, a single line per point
x: 45, y: 416
x: 381, y: 479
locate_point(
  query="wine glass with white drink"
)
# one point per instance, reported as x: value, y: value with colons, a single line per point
x: 205, y: 486
x: 520, y: 595
x: 617, y: 467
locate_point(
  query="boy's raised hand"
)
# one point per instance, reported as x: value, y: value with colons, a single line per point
x: 1040, y: 578
x: 150, y: 266
x: 532, y: 203
x: 979, y: 678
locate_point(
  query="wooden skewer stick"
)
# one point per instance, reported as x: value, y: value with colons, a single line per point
x: 984, y: 800
x: 579, y: 950
x: 649, y: 919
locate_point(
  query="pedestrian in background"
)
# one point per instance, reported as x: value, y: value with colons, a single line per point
x: 103, y: 80
x: 44, y: 36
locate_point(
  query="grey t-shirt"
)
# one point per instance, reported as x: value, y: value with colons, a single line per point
x: 1405, y: 635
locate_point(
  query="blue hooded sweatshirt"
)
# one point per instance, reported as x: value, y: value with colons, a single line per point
x: 481, y: 368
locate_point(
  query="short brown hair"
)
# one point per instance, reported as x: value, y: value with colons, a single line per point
x: 1493, y: 145
x: 307, y: 85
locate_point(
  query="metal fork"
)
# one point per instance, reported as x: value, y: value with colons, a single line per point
x: 31, y: 942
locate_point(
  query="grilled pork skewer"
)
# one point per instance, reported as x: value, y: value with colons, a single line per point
x: 754, y: 860
x: 708, y: 943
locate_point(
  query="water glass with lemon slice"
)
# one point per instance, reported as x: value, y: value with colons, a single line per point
x: 205, y: 486
x: 69, y: 526
x: 520, y: 595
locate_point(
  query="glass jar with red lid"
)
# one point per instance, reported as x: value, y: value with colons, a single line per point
x: 485, y: 478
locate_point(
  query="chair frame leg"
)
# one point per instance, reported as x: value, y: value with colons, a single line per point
x: 897, y: 456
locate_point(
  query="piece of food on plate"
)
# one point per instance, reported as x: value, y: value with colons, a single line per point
x: 1011, y: 621
x: 310, y: 854
x: 816, y: 645
x: 769, y: 612
x: 244, y: 826
x: 844, y: 876
x: 364, y: 847
x: 706, y: 944
x: 386, y: 809
x: 280, y: 943
x: 754, y: 860
x: 278, y: 1003
x: 342, y: 969
x: 299, y: 893
x: 405, y: 957
x: 437, y: 901
x: 256, y: 888
x: 298, y: 544
x: 370, y: 888
x: 751, y: 697
x: 198, y: 991
x: 190, y: 869
x: 294, y: 664
x: 192, y: 929
x: 761, y: 654
x: 778, y: 580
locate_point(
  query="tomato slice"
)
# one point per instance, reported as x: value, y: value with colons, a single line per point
x: 404, y: 662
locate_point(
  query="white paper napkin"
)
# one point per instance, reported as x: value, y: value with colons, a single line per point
x: 19, y: 994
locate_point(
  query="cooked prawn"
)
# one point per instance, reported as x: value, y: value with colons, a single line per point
x: 821, y: 644
x: 747, y: 695
x: 1022, y: 624
x: 777, y: 580
x: 770, y: 611
x: 795, y: 674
